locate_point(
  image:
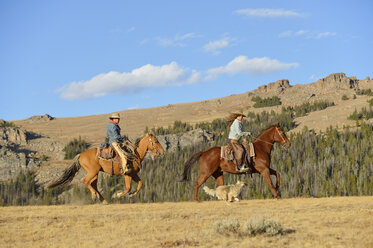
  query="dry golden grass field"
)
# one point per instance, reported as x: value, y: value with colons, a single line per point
x: 308, y: 222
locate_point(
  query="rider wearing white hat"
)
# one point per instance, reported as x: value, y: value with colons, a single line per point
x: 235, y: 133
x: 113, y: 134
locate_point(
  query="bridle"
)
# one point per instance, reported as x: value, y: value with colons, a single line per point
x: 154, y: 149
x: 279, y: 133
x: 282, y: 137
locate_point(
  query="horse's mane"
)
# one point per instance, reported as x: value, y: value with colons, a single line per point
x: 265, y: 129
x: 137, y: 142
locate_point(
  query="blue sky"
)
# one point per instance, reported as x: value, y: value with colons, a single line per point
x: 78, y: 58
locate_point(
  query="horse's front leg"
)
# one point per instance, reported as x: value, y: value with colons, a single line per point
x: 266, y: 175
x: 127, y: 183
x: 137, y: 179
x: 275, y: 173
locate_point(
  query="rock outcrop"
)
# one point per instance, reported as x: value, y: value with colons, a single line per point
x: 13, y: 155
x: 11, y: 163
x: 40, y: 118
x: 277, y: 87
x: 12, y: 135
x: 337, y: 81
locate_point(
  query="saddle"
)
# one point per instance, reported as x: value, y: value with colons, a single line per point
x: 226, y: 152
x: 105, y: 152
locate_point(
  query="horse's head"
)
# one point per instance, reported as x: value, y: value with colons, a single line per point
x: 280, y: 137
x: 153, y: 145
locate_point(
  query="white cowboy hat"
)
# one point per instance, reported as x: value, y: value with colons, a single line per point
x: 238, y: 113
x: 114, y: 116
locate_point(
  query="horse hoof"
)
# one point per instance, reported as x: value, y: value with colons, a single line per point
x: 115, y: 195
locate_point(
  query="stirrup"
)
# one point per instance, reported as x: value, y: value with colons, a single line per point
x: 124, y: 171
x: 243, y: 169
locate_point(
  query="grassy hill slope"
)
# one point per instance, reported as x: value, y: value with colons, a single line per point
x: 306, y: 222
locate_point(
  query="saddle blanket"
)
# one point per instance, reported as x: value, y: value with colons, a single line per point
x: 227, y: 153
x: 106, y: 153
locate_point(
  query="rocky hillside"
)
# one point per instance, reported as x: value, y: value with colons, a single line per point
x: 39, y: 140
x: 24, y: 150
x: 93, y: 128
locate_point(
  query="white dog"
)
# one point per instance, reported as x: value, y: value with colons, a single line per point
x: 226, y: 192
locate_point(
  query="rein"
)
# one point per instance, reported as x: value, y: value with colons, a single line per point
x: 283, y: 145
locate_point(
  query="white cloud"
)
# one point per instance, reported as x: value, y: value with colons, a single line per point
x: 151, y: 76
x: 300, y: 32
x: 286, y: 34
x: 138, y: 79
x: 325, y: 34
x: 268, y: 13
x: 215, y: 46
x: 168, y: 42
x: 187, y: 36
x: 290, y: 33
x: 254, y: 66
x: 306, y: 34
x: 177, y: 40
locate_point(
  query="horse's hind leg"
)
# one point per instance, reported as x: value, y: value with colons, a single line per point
x: 266, y: 175
x: 274, y: 172
x: 197, y: 184
x: 94, y: 186
x: 90, y: 177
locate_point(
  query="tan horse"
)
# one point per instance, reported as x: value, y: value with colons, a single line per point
x: 93, y: 165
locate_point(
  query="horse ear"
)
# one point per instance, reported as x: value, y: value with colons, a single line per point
x: 278, y: 124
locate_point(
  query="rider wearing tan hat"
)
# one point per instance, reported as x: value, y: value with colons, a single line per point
x: 235, y: 133
x: 113, y: 134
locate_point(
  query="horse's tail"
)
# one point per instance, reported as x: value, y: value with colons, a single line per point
x: 188, y: 166
x: 67, y: 175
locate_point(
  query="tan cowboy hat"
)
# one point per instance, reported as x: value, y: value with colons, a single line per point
x: 114, y: 116
x: 238, y: 113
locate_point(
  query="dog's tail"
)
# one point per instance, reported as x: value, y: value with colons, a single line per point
x: 209, y: 191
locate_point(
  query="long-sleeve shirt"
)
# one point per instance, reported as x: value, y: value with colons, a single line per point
x: 236, y: 130
x: 113, y: 133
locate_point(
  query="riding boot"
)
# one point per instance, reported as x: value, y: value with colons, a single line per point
x: 239, y: 166
x: 124, y: 168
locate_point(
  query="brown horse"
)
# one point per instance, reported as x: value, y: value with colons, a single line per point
x: 92, y: 165
x: 211, y: 164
